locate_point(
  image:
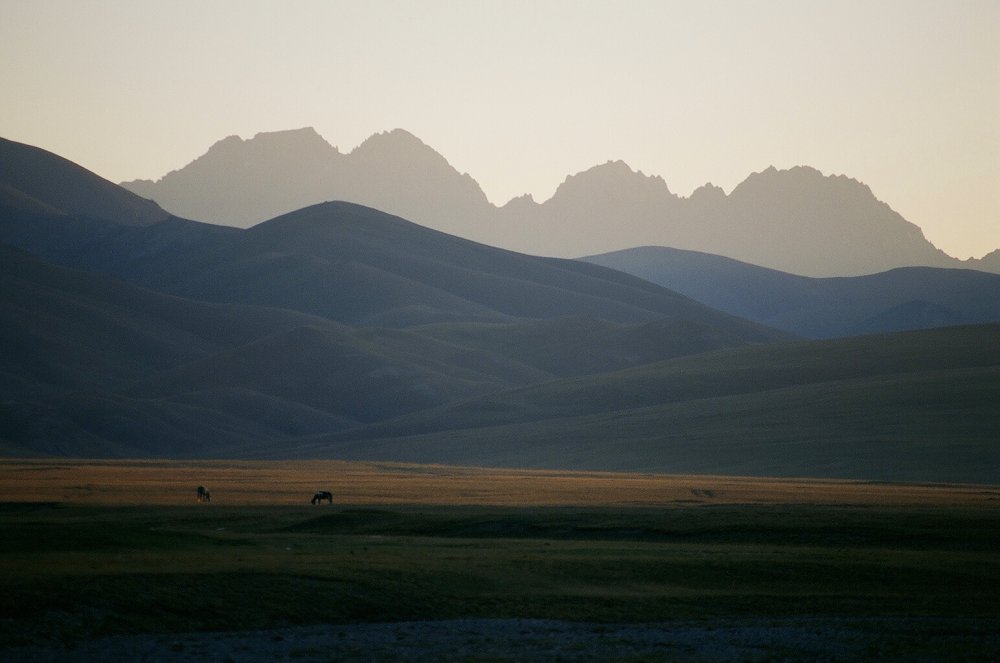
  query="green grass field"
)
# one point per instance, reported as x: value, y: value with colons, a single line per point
x: 81, y: 570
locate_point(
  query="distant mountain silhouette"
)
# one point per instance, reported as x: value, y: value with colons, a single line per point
x: 243, y: 182
x: 795, y: 220
x: 33, y: 181
x: 898, y: 300
x: 988, y: 263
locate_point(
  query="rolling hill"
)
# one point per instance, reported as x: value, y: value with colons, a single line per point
x: 911, y: 406
x: 361, y: 266
x: 338, y: 330
x: 97, y: 366
x: 34, y: 181
x: 94, y: 365
x: 898, y: 300
x: 355, y: 265
x: 242, y: 338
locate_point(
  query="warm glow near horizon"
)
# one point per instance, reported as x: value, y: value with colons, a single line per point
x: 902, y: 95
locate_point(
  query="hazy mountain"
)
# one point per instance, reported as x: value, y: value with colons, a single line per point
x: 988, y: 263
x: 911, y: 406
x: 36, y: 182
x: 360, y: 266
x: 795, y: 220
x: 243, y: 182
x: 897, y: 300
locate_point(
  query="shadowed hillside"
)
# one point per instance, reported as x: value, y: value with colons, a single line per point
x: 370, y: 267
x: 898, y: 300
x: 341, y: 331
x: 95, y: 366
x: 33, y: 181
x: 98, y: 367
x: 105, y: 367
x: 911, y: 406
x: 73, y: 340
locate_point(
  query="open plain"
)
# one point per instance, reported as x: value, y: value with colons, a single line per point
x: 112, y: 559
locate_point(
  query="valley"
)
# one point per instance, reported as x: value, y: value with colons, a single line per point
x: 110, y: 558
x: 554, y: 331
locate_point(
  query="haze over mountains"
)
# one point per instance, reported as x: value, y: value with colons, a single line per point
x: 338, y: 330
x: 795, y: 220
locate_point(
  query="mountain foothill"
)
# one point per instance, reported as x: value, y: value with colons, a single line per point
x: 340, y: 329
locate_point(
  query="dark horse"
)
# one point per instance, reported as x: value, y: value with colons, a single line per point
x: 204, y: 495
x: 322, y: 495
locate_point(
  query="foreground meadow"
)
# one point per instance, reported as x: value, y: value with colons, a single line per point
x: 104, y: 548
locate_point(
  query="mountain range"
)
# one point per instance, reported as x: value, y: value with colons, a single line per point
x: 338, y: 330
x: 794, y: 220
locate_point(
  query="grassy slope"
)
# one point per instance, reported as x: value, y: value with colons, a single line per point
x: 209, y: 379
x: 915, y: 406
x: 359, y: 265
x: 39, y: 176
x: 101, y: 367
x: 169, y: 376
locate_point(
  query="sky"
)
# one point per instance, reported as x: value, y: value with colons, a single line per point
x: 901, y: 95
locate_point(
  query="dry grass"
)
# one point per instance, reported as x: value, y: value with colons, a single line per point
x: 258, y: 483
x: 89, y: 548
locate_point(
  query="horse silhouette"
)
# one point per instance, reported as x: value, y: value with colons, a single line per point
x: 322, y: 495
x: 204, y: 495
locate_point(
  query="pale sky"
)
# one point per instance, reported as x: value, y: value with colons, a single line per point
x: 902, y: 95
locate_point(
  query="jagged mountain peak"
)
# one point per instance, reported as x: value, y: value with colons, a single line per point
x: 612, y: 178
x: 302, y: 132
x: 399, y: 145
x: 405, y: 176
x: 292, y: 141
x: 798, y: 178
x: 395, y: 136
x: 796, y: 219
x: 233, y: 154
x: 525, y: 200
x: 707, y: 192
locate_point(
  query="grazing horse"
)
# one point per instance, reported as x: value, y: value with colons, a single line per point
x: 204, y: 495
x: 322, y: 495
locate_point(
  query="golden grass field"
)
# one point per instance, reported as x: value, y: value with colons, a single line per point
x: 94, y: 548
x: 259, y: 483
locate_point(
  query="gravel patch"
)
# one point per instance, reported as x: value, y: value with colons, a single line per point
x: 533, y: 640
